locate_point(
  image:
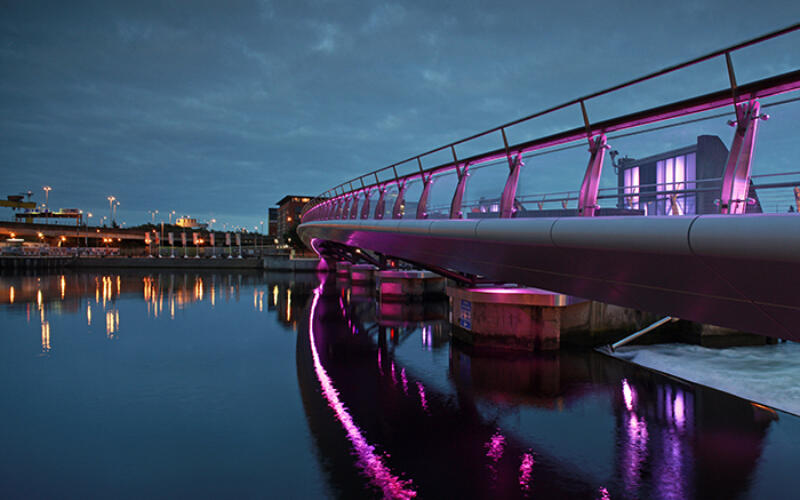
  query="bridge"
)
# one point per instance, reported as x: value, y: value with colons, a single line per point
x: 686, y: 232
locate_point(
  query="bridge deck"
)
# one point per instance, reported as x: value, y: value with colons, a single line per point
x: 736, y: 271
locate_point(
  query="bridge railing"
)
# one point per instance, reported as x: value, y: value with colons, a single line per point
x: 441, y: 191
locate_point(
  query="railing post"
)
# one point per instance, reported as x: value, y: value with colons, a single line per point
x: 354, y: 207
x: 422, y: 207
x: 365, y: 206
x: 736, y: 178
x: 587, y: 198
x: 397, y: 210
x: 510, y: 189
x: 346, y: 207
x: 458, y: 196
x: 380, y: 206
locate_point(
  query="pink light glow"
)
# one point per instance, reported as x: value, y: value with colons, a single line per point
x: 405, y: 380
x: 495, y: 446
x: 422, y: 399
x: 525, y: 471
x: 394, y: 374
x: 372, y: 464
x: 679, y: 410
x: 603, y: 494
x: 627, y: 394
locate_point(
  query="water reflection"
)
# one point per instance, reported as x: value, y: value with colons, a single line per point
x: 100, y: 292
x: 476, y: 424
x: 393, y: 407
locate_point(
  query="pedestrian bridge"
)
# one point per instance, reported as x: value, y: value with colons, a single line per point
x: 685, y: 232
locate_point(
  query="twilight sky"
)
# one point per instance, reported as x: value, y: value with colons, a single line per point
x: 218, y: 109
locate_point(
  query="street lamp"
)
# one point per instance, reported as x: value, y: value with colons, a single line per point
x: 111, y: 209
x: 46, y: 193
x: 46, y: 197
x: 153, y: 214
x: 86, y: 240
x: 170, y: 216
x: 211, y: 223
x: 116, y: 204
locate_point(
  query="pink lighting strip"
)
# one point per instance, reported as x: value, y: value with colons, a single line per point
x: 778, y: 84
x: 372, y: 464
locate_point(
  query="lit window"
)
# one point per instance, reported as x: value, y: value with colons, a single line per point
x: 631, y: 188
x: 675, y: 179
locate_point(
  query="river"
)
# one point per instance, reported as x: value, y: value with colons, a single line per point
x: 253, y: 385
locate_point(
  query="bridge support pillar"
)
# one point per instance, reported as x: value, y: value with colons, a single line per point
x: 587, y: 200
x: 525, y: 319
x: 736, y: 178
x: 402, y: 286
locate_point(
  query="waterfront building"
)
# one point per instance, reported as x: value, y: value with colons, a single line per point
x: 289, y: 210
x: 682, y: 181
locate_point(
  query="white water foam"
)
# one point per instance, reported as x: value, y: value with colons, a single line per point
x: 769, y: 375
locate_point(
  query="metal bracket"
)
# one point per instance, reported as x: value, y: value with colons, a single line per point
x: 343, y: 213
x: 380, y: 206
x: 736, y: 177
x: 510, y: 189
x: 397, y: 209
x: 365, y: 205
x: 458, y: 196
x: 422, y: 206
x: 587, y: 198
x: 354, y: 207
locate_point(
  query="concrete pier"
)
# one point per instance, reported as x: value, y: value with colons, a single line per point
x: 397, y: 285
x: 343, y: 269
x: 512, y: 318
x: 362, y: 274
x: 538, y: 320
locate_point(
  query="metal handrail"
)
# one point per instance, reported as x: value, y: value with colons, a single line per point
x: 770, y: 86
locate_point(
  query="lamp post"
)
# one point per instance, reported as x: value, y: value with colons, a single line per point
x: 86, y: 240
x: 111, y: 209
x: 170, y: 216
x: 46, y: 197
x: 117, y: 204
x: 262, y: 237
x: 153, y: 214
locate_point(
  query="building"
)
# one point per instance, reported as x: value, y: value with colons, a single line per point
x: 289, y: 209
x: 187, y: 222
x: 683, y: 181
x: 272, y: 222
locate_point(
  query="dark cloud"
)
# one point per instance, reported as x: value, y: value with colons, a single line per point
x: 221, y: 108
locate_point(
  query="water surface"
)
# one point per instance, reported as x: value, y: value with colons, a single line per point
x: 208, y: 385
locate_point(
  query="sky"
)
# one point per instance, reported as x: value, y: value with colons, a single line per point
x: 218, y: 109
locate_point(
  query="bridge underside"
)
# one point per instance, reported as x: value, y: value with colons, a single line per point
x: 740, y: 272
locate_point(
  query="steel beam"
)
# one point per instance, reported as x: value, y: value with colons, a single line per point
x: 422, y: 206
x: 365, y: 205
x: 397, y: 210
x: 507, y: 207
x: 458, y: 196
x: 380, y: 206
x: 736, y: 178
x: 587, y: 199
x: 354, y: 208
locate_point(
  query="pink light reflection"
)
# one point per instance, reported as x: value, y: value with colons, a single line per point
x: 422, y: 399
x: 627, y: 394
x: 604, y: 495
x: 679, y: 410
x: 525, y: 471
x: 405, y: 380
x: 372, y: 464
x: 495, y: 446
